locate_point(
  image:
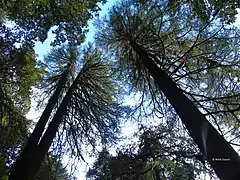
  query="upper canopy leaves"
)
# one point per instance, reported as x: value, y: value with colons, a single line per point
x: 92, y: 113
x: 34, y: 19
x: 202, y: 57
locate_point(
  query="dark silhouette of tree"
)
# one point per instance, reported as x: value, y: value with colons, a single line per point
x: 153, y: 45
x: 225, y: 10
x: 63, y: 61
x: 19, y: 71
x: 13, y: 134
x: 52, y: 168
x: 158, y: 154
x: 87, y: 113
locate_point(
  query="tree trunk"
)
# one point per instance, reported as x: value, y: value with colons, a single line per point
x: 40, y: 126
x: 27, y: 168
x: 29, y: 152
x: 221, y: 156
x: 157, y: 173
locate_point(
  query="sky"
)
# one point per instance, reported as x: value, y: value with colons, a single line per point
x: 43, y: 48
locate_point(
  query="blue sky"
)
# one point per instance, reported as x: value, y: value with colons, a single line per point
x: 43, y: 48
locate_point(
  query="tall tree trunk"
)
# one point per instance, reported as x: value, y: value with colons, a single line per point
x: 28, y: 154
x: 157, y: 173
x: 51, y: 131
x: 29, y: 164
x: 221, y: 156
x: 40, y: 126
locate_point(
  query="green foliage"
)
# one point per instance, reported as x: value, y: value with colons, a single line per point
x: 4, y: 120
x: 150, y: 157
x: 13, y: 133
x: 19, y: 72
x: 34, y: 19
x: 4, y: 178
x: 12, y: 118
x: 52, y: 168
x: 202, y: 57
x: 3, y: 169
x: 93, y: 114
x: 226, y: 11
x: 29, y: 75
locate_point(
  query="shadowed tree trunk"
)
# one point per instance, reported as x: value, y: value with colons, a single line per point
x: 87, y: 102
x: 34, y: 161
x: 32, y: 143
x: 33, y: 155
x: 157, y: 171
x: 40, y: 126
x: 219, y: 153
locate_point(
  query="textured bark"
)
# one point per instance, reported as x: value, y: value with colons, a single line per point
x: 227, y: 163
x: 28, y: 168
x: 40, y: 126
x: 26, y: 157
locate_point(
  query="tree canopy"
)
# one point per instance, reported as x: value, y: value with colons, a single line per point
x: 202, y: 58
x: 52, y: 168
x: 180, y: 59
x: 34, y: 19
x: 82, y: 109
x: 158, y: 154
x: 154, y: 45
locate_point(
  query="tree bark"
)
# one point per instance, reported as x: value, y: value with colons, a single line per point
x: 40, y: 126
x: 157, y: 175
x: 29, y: 164
x: 28, y: 154
x: 220, y: 154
